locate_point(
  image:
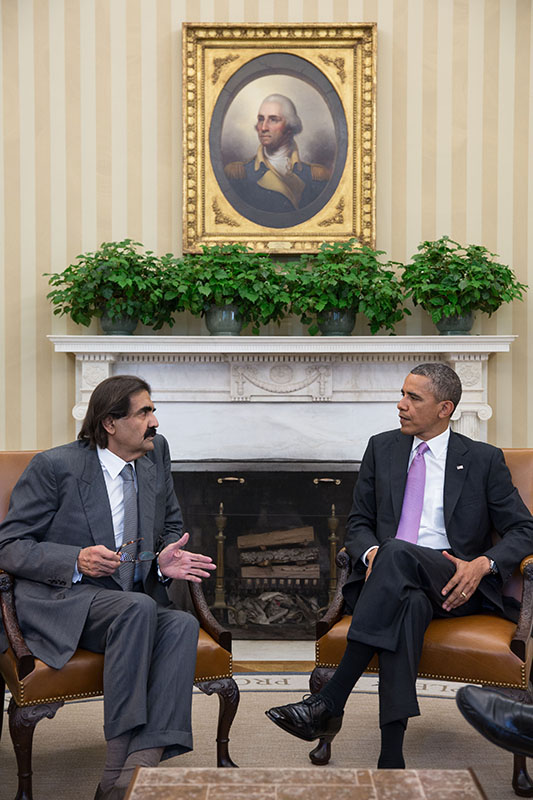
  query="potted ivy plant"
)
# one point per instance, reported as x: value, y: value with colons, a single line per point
x: 343, y: 279
x: 233, y: 286
x: 120, y: 284
x: 451, y: 282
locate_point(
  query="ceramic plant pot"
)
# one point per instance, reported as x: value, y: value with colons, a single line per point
x: 336, y: 322
x: 223, y: 320
x: 456, y: 326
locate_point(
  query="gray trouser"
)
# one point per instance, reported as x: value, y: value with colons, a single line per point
x: 149, y: 662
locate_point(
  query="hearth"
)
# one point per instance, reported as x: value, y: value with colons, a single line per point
x: 273, y: 528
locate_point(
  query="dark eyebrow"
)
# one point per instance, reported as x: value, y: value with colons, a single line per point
x: 146, y: 409
x: 411, y: 394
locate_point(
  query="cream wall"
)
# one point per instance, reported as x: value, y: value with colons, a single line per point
x: 90, y: 136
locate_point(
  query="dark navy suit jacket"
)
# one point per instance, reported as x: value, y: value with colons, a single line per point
x: 479, y: 498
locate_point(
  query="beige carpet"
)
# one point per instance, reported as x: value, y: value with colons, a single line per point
x: 68, y: 750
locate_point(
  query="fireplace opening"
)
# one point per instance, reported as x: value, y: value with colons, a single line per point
x: 273, y: 529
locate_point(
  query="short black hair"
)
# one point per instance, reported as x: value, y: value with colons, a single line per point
x: 111, y: 398
x: 445, y: 382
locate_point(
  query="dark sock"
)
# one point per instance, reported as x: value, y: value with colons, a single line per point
x: 116, y: 754
x: 391, y: 756
x: 139, y: 758
x: 355, y: 660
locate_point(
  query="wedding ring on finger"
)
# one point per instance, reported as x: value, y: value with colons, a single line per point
x: 464, y: 595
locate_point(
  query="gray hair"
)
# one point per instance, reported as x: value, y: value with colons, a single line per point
x: 288, y: 110
x: 445, y: 382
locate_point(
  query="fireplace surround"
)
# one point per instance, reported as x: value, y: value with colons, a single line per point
x: 280, y: 397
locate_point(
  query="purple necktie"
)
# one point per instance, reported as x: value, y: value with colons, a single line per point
x: 413, y: 499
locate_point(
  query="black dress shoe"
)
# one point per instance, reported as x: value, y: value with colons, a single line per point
x: 112, y: 794
x: 504, y: 722
x: 307, y: 720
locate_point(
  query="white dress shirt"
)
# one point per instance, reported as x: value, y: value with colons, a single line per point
x: 432, y: 531
x: 112, y: 465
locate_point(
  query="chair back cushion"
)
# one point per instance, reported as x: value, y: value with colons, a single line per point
x: 12, y: 465
x: 520, y: 463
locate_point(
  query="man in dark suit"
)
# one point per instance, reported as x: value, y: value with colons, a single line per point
x: 419, y: 537
x: 93, y: 534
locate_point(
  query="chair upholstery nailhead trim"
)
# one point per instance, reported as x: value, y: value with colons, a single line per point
x: 522, y: 685
x: 80, y: 695
x: 213, y: 677
x: 56, y: 699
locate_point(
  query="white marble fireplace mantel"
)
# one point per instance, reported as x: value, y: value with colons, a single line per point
x: 281, y: 397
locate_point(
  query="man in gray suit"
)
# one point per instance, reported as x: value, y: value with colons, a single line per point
x: 420, y: 540
x: 93, y: 534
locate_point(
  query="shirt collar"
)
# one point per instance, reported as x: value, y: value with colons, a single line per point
x: 262, y: 158
x: 438, y: 444
x: 112, y: 463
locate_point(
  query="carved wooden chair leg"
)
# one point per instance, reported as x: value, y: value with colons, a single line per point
x: 522, y: 784
x: 22, y: 722
x: 228, y: 697
x: 319, y: 677
x: 321, y: 754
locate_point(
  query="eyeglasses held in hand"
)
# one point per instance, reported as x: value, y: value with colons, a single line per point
x: 144, y: 555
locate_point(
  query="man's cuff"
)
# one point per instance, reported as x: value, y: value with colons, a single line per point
x: 364, y: 557
x: 77, y: 576
x: 161, y: 578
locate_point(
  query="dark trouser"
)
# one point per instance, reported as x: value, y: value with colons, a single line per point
x: 396, y: 605
x: 149, y: 662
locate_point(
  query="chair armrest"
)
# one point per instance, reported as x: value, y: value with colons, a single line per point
x: 207, y: 621
x: 525, y: 620
x: 24, y: 656
x: 335, y: 610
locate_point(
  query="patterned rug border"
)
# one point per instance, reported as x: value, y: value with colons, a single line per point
x: 298, y: 682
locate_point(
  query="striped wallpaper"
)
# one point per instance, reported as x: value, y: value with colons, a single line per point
x: 90, y: 143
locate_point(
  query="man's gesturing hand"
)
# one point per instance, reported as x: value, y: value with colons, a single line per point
x: 174, y: 562
x: 97, y: 561
x: 464, y: 583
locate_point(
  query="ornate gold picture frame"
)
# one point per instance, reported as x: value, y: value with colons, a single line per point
x: 321, y: 186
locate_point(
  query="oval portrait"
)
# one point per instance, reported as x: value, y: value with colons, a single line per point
x: 278, y: 140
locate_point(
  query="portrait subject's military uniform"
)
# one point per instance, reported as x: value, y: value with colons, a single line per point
x: 262, y: 186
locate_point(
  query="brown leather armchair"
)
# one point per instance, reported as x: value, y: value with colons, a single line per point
x: 38, y: 691
x: 481, y: 649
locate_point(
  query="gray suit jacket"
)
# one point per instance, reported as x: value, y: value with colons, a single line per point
x: 60, y: 505
x: 479, y: 497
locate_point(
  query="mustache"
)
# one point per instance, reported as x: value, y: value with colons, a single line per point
x: 150, y: 433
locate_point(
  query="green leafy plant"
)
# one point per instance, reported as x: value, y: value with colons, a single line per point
x: 119, y: 280
x: 345, y: 276
x: 449, y: 280
x: 234, y: 275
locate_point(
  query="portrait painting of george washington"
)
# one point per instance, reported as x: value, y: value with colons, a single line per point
x: 279, y: 135
x: 278, y: 142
